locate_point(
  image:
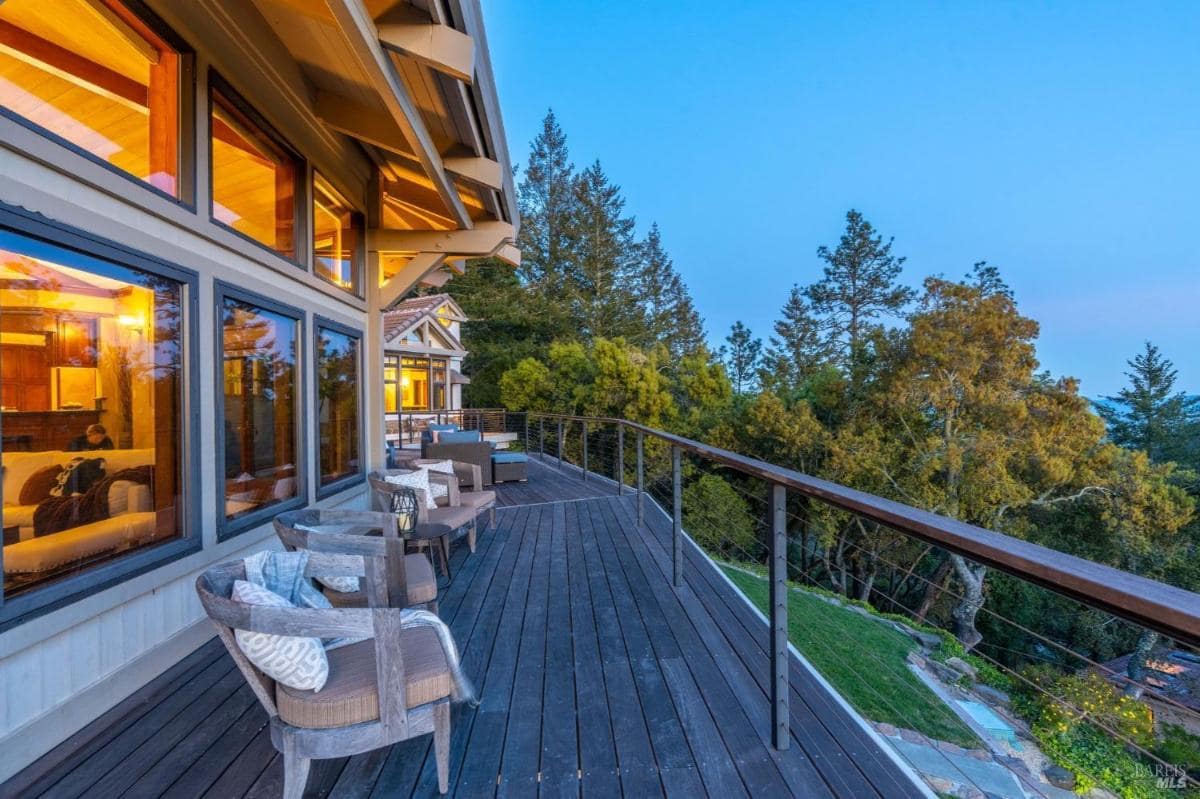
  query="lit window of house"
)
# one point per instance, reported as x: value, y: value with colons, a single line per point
x: 94, y: 74
x: 255, y: 176
x: 92, y: 391
x: 337, y: 231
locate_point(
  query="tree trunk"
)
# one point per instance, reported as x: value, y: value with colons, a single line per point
x: 1136, y: 670
x: 968, y: 605
x: 868, y: 580
x: 933, y: 590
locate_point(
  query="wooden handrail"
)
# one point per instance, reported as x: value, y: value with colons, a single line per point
x: 1172, y: 611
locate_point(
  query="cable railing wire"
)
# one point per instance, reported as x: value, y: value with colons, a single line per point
x: 1121, y: 678
x: 1061, y: 700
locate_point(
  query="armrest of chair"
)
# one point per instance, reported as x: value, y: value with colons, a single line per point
x: 469, y: 473
x: 451, y: 483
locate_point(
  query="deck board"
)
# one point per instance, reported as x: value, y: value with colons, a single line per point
x: 596, y: 678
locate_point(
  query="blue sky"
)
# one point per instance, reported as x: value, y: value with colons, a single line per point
x: 1057, y: 140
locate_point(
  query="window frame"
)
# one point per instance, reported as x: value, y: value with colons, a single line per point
x: 185, y: 113
x: 358, y: 478
x: 83, y: 249
x: 302, y: 236
x: 358, y: 222
x: 228, y: 528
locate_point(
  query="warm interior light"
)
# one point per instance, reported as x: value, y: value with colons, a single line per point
x: 132, y: 321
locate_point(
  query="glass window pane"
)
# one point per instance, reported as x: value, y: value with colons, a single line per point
x: 91, y: 387
x: 337, y: 404
x: 261, y: 407
x: 439, y: 385
x: 92, y: 73
x: 254, y: 178
x: 336, y: 229
x: 414, y: 384
x: 391, y: 383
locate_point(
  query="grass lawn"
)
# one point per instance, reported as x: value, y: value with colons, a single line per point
x: 864, y: 660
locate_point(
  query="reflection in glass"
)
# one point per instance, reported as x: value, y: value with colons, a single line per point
x: 337, y: 404
x: 335, y: 237
x: 261, y: 407
x: 91, y: 389
x: 94, y: 74
x: 254, y: 178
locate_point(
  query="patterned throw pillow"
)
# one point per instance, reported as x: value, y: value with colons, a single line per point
x: 292, y: 660
x: 439, y: 489
x: 419, y: 480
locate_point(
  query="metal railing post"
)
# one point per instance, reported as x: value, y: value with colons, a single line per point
x: 677, y: 526
x: 620, y: 459
x: 584, y: 425
x: 541, y: 437
x: 559, y: 441
x: 640, y: 483
x: 527, y: 447
x: 780, y: 723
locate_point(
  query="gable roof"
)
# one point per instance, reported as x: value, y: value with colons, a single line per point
x: 406, y: 315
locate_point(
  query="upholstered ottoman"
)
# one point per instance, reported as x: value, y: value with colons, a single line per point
x: 509, y: 466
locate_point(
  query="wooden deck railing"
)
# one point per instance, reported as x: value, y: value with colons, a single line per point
x: 1172, y: 611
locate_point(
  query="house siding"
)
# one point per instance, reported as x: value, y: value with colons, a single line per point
x: 63, y: 668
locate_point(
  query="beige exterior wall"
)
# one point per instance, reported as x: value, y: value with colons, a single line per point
x: 62, y: 669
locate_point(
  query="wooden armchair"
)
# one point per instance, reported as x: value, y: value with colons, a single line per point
x: 461, y: 508
x: 468, y: 474
x: 394, y: 686
x: 406, y: 581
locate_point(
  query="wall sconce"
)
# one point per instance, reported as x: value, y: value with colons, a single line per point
x: 135, y: 323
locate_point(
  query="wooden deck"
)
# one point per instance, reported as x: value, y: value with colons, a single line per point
x: 596, y: 678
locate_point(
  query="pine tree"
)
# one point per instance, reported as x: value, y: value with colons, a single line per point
x: 798, y: 348
x: 671, y: 317
x: 1149, y: 414
x: 741, y: 357
x: 549, y: 212
x: 859, y: 287
x: 604, y: 279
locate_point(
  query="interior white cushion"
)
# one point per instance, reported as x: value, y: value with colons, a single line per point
x: 293, y: 660
x: 417, y: 479
x: 118, y: 497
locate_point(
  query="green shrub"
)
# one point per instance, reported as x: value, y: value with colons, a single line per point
x: 1099, y: 760
x: 1179, y: 748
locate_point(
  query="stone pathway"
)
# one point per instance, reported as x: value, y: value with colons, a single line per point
x: 956, y: 771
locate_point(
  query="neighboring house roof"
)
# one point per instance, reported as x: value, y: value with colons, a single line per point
x: 413, y: 312
x: 1170, y: 672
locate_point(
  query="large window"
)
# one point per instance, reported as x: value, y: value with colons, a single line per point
x: 337, y: 231
x: 337, y: 404
x: 91, y: 384
x: 256, y: 178
x: 96, y: 75
x: 261, y: 406
x: 414, y: 384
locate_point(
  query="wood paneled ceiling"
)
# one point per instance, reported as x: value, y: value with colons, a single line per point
x: 411, y: 198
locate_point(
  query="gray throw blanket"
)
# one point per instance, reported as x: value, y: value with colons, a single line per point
x: 283, y: 574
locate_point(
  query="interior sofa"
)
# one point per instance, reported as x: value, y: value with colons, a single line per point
x: 131, y: 506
